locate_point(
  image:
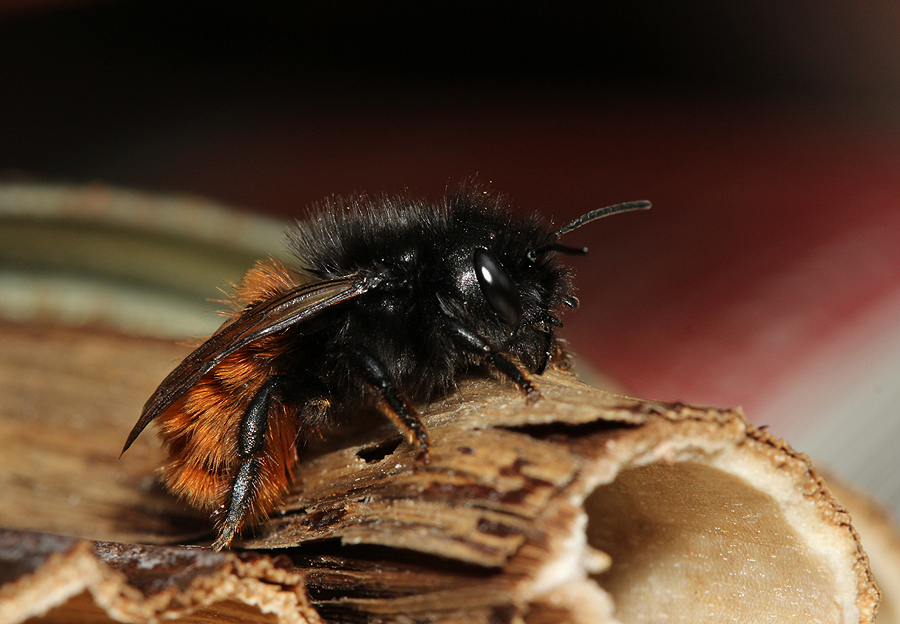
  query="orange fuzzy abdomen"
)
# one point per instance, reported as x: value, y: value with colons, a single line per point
x: 201, y: 429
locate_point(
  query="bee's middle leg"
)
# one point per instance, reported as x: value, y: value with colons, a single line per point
x: 394, y: 404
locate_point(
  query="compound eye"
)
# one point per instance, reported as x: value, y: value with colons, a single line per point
x: 498, y: 287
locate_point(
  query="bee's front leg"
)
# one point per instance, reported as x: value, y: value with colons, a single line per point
x: 471, y: 341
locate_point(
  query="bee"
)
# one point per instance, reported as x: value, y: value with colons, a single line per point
x: 392, y: 301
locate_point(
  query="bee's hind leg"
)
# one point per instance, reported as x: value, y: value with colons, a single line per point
x: 251, y: 443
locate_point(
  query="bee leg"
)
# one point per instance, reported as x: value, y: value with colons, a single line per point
x: 475, y: 343
x: 397, y: 408
x: 251, y: 443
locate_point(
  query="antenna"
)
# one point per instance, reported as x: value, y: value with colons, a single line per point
x: 599, y: 213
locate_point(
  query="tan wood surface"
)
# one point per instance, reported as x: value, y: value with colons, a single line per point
x: 583, y: 507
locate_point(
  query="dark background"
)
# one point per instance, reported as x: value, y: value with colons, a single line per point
x: 274, y: 104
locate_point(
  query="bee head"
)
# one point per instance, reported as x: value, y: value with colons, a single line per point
x: 520, y: 284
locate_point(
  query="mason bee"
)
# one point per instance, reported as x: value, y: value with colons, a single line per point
x: 391, y: 301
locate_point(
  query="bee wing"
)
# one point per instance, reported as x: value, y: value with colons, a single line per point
x: 267, y: 317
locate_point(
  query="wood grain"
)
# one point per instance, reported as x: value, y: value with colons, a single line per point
x: 583, y: 507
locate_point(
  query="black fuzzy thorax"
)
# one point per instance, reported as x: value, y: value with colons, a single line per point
x: 422, y: 255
